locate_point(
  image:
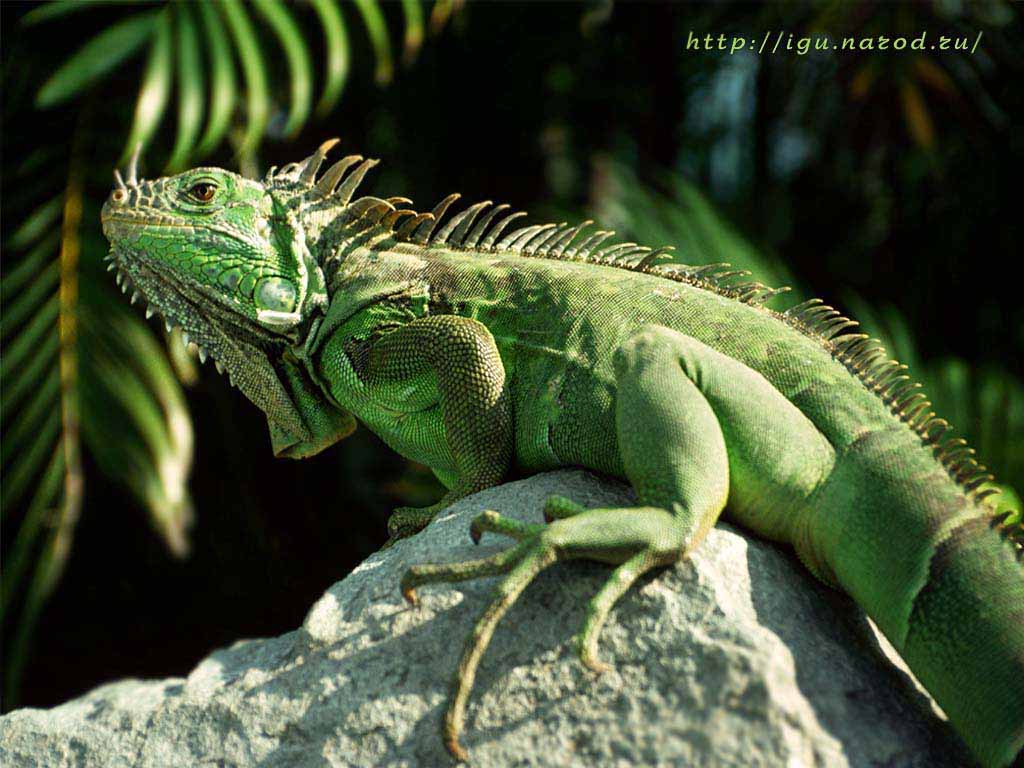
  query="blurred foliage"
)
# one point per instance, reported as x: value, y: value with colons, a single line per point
x: 194, y: 45
x: 877, y: 181
x: 80, y: 367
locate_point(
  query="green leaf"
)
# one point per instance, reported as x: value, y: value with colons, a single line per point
x: 41, y: 220
x: 378, y: 32
x: 298, y: 61
x: 96, y: 58
x: 58, y: 8
x: 48, y: 569
x: 43, y: 355
x: 336, y: 44
x: 687, y: 220
x: 31, y: 526
x: 29, y: 265
x: 155, y: 89
x: 20, y: 308
x: 26, y: 421
x: 190, y: 90
x: 222, y: 80
x: 442, y: 11
x: 26, y: 464
x: 252, y: 68
x: 413, y: 30
x: 149, y: 447
x: 27, y: 342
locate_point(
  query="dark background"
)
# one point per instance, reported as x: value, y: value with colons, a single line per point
x: 846, y: 185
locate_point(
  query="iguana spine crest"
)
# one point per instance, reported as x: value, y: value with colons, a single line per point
x: 863, y: 356
x: 373, y: 218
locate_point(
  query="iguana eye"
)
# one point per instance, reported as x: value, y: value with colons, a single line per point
x: 203, y: 191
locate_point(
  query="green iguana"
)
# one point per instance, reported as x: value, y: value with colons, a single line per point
x: 474, y: 347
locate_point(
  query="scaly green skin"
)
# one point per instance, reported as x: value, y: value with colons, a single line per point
x: 472, y: 348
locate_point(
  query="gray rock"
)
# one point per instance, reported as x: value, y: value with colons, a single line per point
x: 736, y: 657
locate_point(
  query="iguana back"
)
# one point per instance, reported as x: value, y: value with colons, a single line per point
x: 472, y: 348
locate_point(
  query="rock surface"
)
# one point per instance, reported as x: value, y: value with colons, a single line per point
x: 737, y: 657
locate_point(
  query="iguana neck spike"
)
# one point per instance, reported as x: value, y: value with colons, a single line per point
x: 312, y: 164
x: 426, y: 229
x: 332, y: 176
x: 349, y: 185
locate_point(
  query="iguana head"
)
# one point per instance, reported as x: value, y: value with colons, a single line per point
x: 225, y: 259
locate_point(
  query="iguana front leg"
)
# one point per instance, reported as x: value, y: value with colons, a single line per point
x: 686, y: 418
x: 451, y: 361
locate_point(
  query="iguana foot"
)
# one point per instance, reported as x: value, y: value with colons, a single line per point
x: 636, y: 539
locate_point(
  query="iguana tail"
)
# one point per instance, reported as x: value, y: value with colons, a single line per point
x: 965, y: 638
x: 942, y: 576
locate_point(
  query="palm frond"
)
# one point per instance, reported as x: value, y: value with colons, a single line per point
x: 155, y: 88
x: 247, y: 46
x: 337, y: 63
x: 172, y: 34
x: 97, y: 58
x: 54, y: 351
x: 190, y: 89
x: 297, y: 55
x: 222, y: 83
x: 683, y: 218
x: 79, y: 368
x: 376, y: 28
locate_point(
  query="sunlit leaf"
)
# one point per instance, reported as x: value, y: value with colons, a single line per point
x: 38, y: 405
x: 861, y: 82
x: 190, y: 89
x: 413, y: 30
x: 222, y: 80
x: 251, y: 58
x: 336, y: 43
x: 149, y: 448
x: 295, y: 52
x: 96, y: 58
x: 443, y: 10
x: 378, y: 32
x: 155, y: 89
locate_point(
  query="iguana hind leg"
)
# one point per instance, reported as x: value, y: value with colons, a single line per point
x: 673, y: 445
